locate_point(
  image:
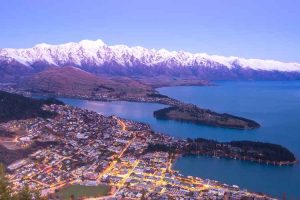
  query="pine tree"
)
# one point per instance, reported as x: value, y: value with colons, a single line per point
x: 143, y: 197
x: 25, y: 194
x: 37, y: 196
x: 5, y: 190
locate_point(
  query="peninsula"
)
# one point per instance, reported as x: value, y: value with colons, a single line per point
x: 194, y: 114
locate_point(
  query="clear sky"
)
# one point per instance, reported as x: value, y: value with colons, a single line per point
x: 247, y: 28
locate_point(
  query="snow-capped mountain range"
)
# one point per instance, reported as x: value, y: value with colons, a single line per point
x: 97, y: 57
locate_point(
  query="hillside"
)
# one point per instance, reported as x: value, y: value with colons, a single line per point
x: 16, y: 107
x: 71, y: 81
x: 76, y: 83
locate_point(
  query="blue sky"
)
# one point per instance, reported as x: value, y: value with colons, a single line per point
x: 247, y: 28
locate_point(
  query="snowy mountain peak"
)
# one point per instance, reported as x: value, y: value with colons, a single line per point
x: 97, y: 53
x: 92, y: 44
x: 42, y: 45
x: 87, y: 44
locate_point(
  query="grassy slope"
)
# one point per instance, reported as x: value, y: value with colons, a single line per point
x: 71, y: 81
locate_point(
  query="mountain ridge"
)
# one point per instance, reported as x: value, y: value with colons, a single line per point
x: 99, y: 58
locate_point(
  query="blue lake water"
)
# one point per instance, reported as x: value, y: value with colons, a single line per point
x: 275, y: 105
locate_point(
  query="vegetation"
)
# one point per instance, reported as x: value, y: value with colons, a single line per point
x: 157, y: 95
x: 6, y: 192
x: 16, y: 107
x: 5, y: 133
x: 9, y: 156
x: 161, y: 147
x: 247, y: 150
x: 194, y: 114
x: 272, y: 152
x: 101, y: 87
x: 80, y: 191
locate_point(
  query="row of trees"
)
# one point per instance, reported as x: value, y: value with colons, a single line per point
x: 6, y: 192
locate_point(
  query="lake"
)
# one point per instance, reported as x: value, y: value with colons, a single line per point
x: 274, y: 104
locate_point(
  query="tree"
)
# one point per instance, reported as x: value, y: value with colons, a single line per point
x: 143, y: 197
x: 189, y: 140
x: 25, y: 194
x: 37, y: 195
x: 5, y: 190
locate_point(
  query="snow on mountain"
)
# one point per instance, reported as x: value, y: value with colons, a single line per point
x: 97, y: 53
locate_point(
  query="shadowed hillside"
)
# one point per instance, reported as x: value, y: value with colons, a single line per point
x: 71, y: 81
x: 15, y: 107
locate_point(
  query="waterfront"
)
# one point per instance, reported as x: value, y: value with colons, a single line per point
x: 275, y: 105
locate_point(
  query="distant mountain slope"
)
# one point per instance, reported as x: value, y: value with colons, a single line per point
x: 72, y: 81
x: 136, y: 62
x: 16, y: 107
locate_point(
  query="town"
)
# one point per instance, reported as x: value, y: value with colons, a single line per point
x: 86, y: 148
x: 176, y: 110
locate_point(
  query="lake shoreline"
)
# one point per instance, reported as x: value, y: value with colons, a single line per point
x: 252, y: 160
x: 194, y: 114
x: 269, y: 97
x: 272, y: 101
